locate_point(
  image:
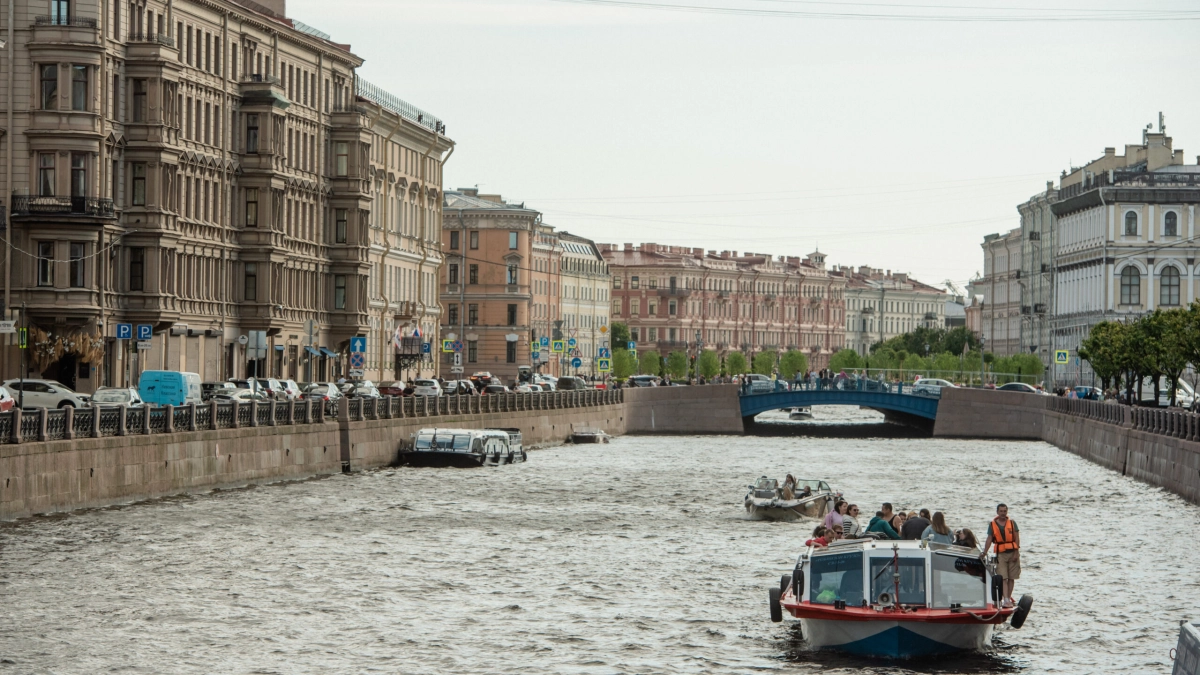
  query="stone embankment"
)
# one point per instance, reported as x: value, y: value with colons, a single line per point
x: 1157, y: 446
x: 61, y: 460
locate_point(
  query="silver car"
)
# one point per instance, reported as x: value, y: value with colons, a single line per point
x: 45, y: 394
x: 122, y: 397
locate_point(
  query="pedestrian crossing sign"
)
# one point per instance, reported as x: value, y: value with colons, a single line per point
x: 1062, y: 356
x: 558, y: 346
x: 447, y: 345
x: 604, y: 365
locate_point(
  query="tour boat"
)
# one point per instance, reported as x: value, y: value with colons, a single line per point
x: 896, y: 599
x: 464, y: 447
x: 588, y: 435
x: 1187, y: 651
x: 803, y: 413
x: 765, y: 500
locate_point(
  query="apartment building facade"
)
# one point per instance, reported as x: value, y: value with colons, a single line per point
x: 881, y: 305
x: 212, y: 170
x: 1036, y: 281
x: 1000, y: 289
x: 675, y: 298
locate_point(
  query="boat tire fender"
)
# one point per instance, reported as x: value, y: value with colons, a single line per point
x: 510, y: 457
x: 784, y: 582
x: 1023, y: 606
x: 797, y: 582
x: 776, y: 609
x: 997, y: 589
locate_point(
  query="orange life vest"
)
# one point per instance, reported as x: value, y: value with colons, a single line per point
x: 1005, y: 539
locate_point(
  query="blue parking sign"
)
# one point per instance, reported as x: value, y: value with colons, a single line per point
x: 545, y: 341
x: 124, y: 331
x: 145, y: 331
x: 426, y: 348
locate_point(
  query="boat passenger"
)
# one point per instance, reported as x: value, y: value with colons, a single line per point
x: 1007, y: 537
x: 850, y: 527
x: 915, y: 525
x: 897, y: 521
x: 789, y: 488
x: 806, y: 493
x: 889, y: 515
x: 879, y: 524
x: 818, y: 538
x: 834, y: 517
x: 937, y: 530
x: 965, y: 537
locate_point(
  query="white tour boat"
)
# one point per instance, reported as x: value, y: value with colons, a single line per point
x: 811, y: 498
x: 800, y: 413
x: 897, y: 599
x: 464, y: 447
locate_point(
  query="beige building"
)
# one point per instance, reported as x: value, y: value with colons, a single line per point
x: 585, y: 302
x: 1000, y: 290
x: 881, y: 305
x: 211, y: 169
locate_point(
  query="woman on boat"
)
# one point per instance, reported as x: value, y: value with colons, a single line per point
x: 937, y: 530
x: 789, y: 488
x: 818, y: 539
x: 834, y: 517
x: 965, y: 537
x: 850, y: 527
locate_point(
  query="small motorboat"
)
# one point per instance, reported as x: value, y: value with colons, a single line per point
x: 766, y: 500
x: 589, y: 435
x: 801, y: 413
x: 895, y: 599
x: 464, y: 447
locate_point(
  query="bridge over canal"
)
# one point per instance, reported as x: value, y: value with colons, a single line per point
x: 896, y: 401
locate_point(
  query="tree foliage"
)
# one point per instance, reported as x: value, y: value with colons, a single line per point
x: 677, y: 364
x: 846, y: 359
x: 793, y: 361
x: 624, y: 363
x: 938, y: 340
x: 619, y: 333
x: 650, y: 363
x: 735, y: 363
x: 708, y: 363
x: 764, y: 363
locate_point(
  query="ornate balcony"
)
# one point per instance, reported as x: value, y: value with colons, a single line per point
x: 86, y: 207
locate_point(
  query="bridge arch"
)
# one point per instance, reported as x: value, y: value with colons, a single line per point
x: 908, y: 404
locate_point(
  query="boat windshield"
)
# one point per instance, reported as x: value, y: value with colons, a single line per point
x: 836, y: 577
x: 424, y: 441
x: 958, y: 579
x: 912, y: 579
x: 814, y: 485
x: 462, y: 442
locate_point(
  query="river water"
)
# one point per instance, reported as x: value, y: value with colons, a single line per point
x: 632, y: 557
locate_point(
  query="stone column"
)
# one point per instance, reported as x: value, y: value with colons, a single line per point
x: 169, y: 426
x: 192, y: 416
x: 95, y: 423
x: 123, y: 422
x: 69, y: 423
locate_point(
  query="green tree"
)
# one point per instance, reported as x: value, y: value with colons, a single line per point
x: 945, y: 365
x: 912, y: 365
x: 619, y: 333
x: 624, y: 363
x: 650, y: 363
x: 764, y: 363
x: 793, y: 361
x: 954, y: 339
x: 677, y: 364
x: 846, y: 359
x: 708, y: 363
x: 735, y: 363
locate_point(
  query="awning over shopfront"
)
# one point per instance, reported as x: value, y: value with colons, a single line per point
x: 328, y: 352
x: 312, y: 351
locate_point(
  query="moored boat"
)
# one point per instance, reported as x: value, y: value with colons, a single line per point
x: 464, y: 447
x: 1187, y: 652
x: 896, y: 599
x: 588, y: 435
x: 802, y: 413
x: 766, y: 500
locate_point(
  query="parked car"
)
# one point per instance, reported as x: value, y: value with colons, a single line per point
x: 391, y: 389
x: 6, y: 400
x: 931, y: 386
x: 760, y: 384
x: 495, y: 389
x: 548, y: 383
x: 44, y: 394
x: 120, y: 397
x: 266, y: 385
x: 364, y: 389
x: 1021, y: 387
x: 1089, y: 393
x: 571, y: 383
x: 241, y: 395
x: 207, y: 389
x: 643, y: 381
x: 323, y: 392
x: 458, y: 388
x: 169, y: 387
x: 291, y: 390
x: 525, y: 388
x: 426, y: 388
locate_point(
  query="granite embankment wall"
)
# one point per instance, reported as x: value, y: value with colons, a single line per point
x: 82, y: 472
x: 1159, y: 447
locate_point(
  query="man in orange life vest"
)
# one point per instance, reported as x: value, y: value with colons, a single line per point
x: 1004, y: 533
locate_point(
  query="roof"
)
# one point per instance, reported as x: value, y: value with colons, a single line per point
x: 460, y: 200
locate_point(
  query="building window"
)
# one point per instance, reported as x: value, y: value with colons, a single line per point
x: 1168, y: 287
x: 339, y: 291
x: 453, y: 274
x: 1131, y: 224
x: 251, y: 207
x: 139, y: 183
x: 454, y: 241
x: 652, y: 334
x: 76, y: 266
x: 671, y: 308
x: 633, y: 334
x: 472, y: 351
x: 473, y: 274
x: 616, y: 310
x: 474, y: 240
x: 510, y: 353
x: 472, y: 314
x: 616, y: 282
x: 452, y: 315
x: 635, y: 306
x: 343, y: 158
x: 512, y: 275
x: 339, y: 227
x: 512, y: 240
x: 634, y: 283
x: 1131, y: 285
x: 251, y: 134
x: 60, y: 12
x: 1171, y: 224
x: 79, y: 87
x: 78, y: 175
x: 137, y: 268
x: 251, y: 281
x: 45, y: 263
x: 46, y: 174
x: 49, y: 75
x: 139, y: 100
x: 512, y: 315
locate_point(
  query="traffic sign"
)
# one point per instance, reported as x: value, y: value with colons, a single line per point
x: 358, y: 344
x: 124, y: 331
x: 576, y: 362
x: 631, y: 345
x: 558, y: 346
x: 545, y: 341
x: 604, y: 365
x: 426, y: 348
x: 456, y: 369
x: 603, y: 330
x: 144, y: 345
x: 447, y: 345
x: 537, y: 355
x: 1062, y: 356
x: 457, y: 346
x: 356, y: 372
x: 22, y: 337
x: 358, y: 360
x: 572, y: 342
x: 145, y: 331
x: 242, y: 340
x: 605, y: 353
x: 8, y: 327
x: 458, y: 358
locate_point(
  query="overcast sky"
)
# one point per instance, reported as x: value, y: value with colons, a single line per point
x: 896, y: 144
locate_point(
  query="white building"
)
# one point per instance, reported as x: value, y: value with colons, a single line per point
x: 1000, y: 316
x: 585, y: 304
x: 881, y: 305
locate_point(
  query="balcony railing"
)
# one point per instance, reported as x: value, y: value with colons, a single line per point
x: 675, y: 292
x: 55, y: 20
x: 31, y: 205
x: 400, y: 107
x: 160, y: 38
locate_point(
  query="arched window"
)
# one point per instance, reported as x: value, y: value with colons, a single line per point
x: 1171, y: 224
x: 1168, y: 284
x: 1131, y: 223
x: 1131, y: 286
